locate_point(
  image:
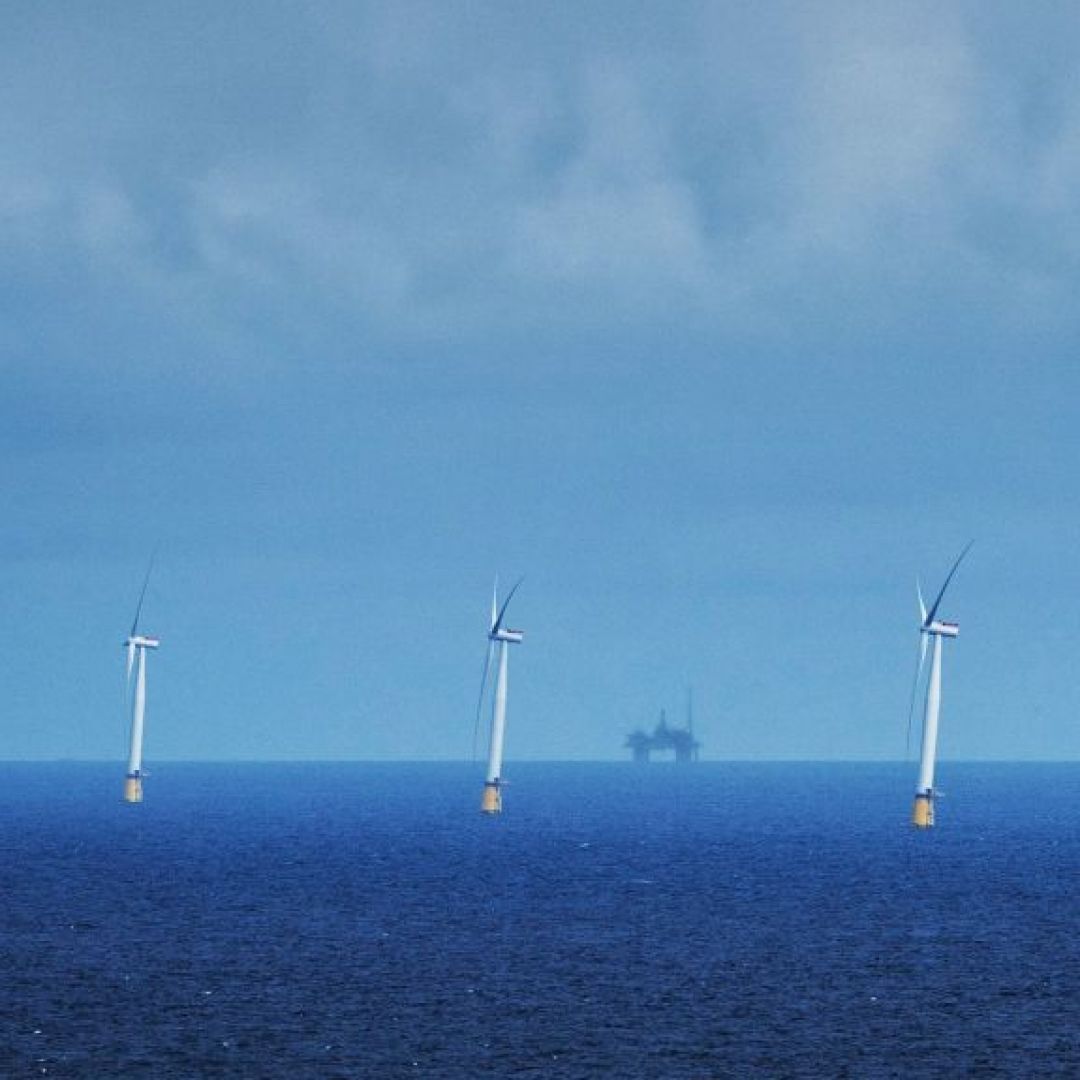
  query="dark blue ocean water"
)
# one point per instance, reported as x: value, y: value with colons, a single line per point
x: 711, y: 921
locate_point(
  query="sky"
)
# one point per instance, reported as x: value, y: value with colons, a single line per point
x: 718, y: 322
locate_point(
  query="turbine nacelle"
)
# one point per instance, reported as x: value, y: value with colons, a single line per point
x: 139, y: 641
x: 515, y: 637
x: 942, y: 629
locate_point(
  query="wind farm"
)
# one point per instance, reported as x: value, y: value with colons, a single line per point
x: 500, y: 638
x: 718, y: 322
x: 931, y: 630
x: 137, y: 645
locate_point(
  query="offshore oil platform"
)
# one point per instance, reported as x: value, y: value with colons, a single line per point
x: 665, y: 739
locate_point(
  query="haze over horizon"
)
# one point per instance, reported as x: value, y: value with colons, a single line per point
x: 719, y: 324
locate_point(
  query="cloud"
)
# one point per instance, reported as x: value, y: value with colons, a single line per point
x: 415, y: 175
x: 614, y: 216
x: 886, y: 123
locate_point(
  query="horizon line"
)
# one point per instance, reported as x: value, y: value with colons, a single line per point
x: 537, y: 761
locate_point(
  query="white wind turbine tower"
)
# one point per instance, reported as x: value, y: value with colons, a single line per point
x: 501, y: 638
x: 136, y: 646
x: 935, y: 629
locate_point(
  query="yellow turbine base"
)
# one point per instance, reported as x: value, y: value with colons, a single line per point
x: 133, y: 789
x: 922, y: 813
x: 492, y: 801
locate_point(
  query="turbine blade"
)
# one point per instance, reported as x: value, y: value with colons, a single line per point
x: 130, y: 662
x: 506, y: 604
x: 480, y: 699
x: 914, y: 693
x: 922, y: 602
x: 959, y: 559
x: 142, y: 595
x: 494, y: 603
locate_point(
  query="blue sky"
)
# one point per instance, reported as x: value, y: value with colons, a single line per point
x: 719, y: 322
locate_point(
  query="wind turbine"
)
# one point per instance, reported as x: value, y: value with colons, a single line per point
x: 935, y: 629
x: 136, y: 646
x: 502, y: 638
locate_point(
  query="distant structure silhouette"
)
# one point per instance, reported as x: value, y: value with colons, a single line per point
x: 663, y: 739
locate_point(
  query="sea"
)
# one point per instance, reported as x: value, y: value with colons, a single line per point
x: 712, y: 920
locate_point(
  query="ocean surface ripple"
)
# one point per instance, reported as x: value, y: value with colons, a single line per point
x: 362, y: 920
